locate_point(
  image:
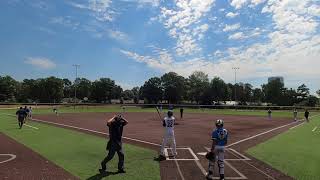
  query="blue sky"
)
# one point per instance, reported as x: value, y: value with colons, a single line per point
x: 133, y: 40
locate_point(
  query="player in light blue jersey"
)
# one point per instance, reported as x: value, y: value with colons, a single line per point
x: 219, y: 141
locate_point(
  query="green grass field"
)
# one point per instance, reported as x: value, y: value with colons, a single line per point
x: 295, y: 152
x: 79, y: 153
x: 117, y: 108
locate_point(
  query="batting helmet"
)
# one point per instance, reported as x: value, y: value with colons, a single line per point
x: 170, y: 113
x: 219, y: 123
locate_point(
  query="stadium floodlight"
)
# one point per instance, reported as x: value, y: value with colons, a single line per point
x: 75, y: 81
x: 235, y: 83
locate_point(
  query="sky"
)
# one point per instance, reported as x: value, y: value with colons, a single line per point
x: 133, y: 40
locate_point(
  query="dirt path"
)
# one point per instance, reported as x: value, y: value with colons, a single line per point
x: 192, y: 136
x: 18, y: 162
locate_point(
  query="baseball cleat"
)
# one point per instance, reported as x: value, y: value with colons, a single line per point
x: 102, y: 171
x: 121, y: 171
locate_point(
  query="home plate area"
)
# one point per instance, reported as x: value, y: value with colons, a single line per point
x: 186, y: 154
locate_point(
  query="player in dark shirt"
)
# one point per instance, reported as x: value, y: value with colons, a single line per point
x: 306, y: 115
x: 21, y: 115
x: 115, y: 125
x: 27, y: 114
x: 181, y: 112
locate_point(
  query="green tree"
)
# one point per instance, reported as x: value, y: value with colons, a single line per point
x: 83, y: 88
x: 312, y: 101
x: 67, y: 88
x: 49, y: 90
x: 28, y: 91
x: 318, y: 92
x: 136, y: 94
x: 219, y: 90
x: 152, y: 90
x: 104, y: 89
x: 174, y: 87
x: 289, y: 97
x: 244, y: 92
x: 198, y: 82
x: 273, y: 91
x: 303, y: 92
x: 8, y: 89
x: 127, y: 94
x: 257, y: 95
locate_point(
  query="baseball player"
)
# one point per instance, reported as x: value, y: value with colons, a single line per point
x: 168, y: 123
x: 295, y: 115
x: 27, y: 115
x: 55, y: 110
x: 269, y: 113
x: 219, y: 141
x: 30, y: 112
x: 21, y: 115
x: 306, y: 115
x: 181, y: 112
x: 115, y: 125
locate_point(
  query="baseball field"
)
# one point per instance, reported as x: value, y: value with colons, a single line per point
x: 71, y: 145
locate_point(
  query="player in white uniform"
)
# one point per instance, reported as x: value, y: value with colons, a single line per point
x: 30, y: 112
x: 168, y: 123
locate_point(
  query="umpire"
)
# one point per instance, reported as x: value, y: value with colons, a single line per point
x: 114, y: 145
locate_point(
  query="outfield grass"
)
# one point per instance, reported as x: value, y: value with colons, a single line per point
x: 79, y: 153
x: 295, y: 152
x: 117, y: 108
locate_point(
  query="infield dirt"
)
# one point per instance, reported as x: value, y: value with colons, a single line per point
x: 193, y: 132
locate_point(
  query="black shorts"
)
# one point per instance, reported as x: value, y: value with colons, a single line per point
x: 21, y: 119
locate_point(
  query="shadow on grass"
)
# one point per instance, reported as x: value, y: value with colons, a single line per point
x: 100, y: 176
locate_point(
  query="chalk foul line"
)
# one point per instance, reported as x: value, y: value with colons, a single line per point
x: 12, y: 157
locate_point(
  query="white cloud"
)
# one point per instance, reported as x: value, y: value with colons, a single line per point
x: 231, y: 14
x: 237, y: 4
x: 118, y: 35
x: 184, y: 24
x: 40, y: 62
x: 245, y: 35
x: 47, y: 30
x: 40, y: 4
x: 291, y: 48
x: 65, y: 21
x: 101, y: 9
x: 237, y: 35
x: 153, y: 3
x: 232, y: 27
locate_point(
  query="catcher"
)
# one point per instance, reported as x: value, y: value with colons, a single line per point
x: 219, y: 140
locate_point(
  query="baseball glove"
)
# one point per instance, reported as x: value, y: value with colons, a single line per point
x: 210, y: 156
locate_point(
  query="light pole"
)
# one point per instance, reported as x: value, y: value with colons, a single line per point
x: 235, y: 83
x: 75, y: 82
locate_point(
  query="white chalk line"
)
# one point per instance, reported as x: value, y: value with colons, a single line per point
x: 178, y: 167
x: 195, y: 158
x: 241, y: 176
x: 245, y: 161
x: 315, y: 128
x: 31, y: 126
x: 297, y: 125
x: 12, y: 157
x: 261, y: 171
x: 89, y: 130
x: 98, y: 132
x: 260, y: 134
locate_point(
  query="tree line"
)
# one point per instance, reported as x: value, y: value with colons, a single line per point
x: 169, y: 88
